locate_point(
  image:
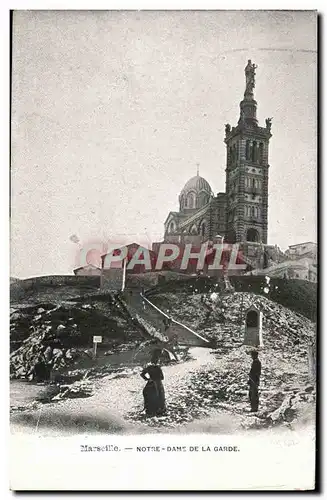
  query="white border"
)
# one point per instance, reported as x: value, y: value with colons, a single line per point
x: 97, y: 4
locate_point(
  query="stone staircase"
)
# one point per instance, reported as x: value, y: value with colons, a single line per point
x: 228, y: 285
x: 158, y: 324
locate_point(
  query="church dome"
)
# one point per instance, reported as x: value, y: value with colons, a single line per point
x: 196, y: 184
x: 195, y: 194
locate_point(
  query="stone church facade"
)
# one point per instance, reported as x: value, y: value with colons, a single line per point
x: 240, y: 215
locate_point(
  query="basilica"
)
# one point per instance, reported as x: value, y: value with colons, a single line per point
x: 237, y: 216
x: 240, y: 214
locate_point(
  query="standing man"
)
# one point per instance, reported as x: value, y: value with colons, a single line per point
x: 254, y: 380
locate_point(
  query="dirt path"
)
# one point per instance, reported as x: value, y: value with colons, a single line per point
x: 110, y: 404
x: 192, y: 396
x: 130, y: 390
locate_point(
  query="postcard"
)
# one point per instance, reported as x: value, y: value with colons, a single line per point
x: 164, y: 269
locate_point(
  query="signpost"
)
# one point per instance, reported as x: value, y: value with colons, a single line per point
x: 241, y: 313
x: 97, y: 339
x: 124, y: 274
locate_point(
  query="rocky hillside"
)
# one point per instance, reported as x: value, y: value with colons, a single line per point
x: 64, y: 332
x: 212, y: 383
x: 221, y: 316
x: 298, y: 296
x: 287, y: 390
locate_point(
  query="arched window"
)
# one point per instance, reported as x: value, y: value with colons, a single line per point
x: 172, y: 227
x: 252, y: 211
x: 261, y: 150
x: 252, y: 235
x: 203, y: 228
x: 252, y: 319
x: 247, y: 150
x: 203, y: 199
x: 254, y: 151
x: 234, y: 153
x: 191, y: 200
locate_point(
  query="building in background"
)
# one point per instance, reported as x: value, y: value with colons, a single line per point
x: 240, y: 215
x: 306, y: 250
x: 301, y: 269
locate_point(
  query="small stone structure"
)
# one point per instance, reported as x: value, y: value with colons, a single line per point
x: 253, y: 327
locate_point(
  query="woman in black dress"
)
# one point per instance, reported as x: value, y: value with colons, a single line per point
x: 154, y: 392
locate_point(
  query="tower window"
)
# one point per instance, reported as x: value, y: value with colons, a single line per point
x: 254, y: 152
x: 247, y: 149
x: 261, y: 152
x: 234, y: 153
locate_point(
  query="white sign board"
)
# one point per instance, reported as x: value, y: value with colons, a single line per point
x: 97, y: 339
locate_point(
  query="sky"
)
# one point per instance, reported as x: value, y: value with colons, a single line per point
x: 113, y: 110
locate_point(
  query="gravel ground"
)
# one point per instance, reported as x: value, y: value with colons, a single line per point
x: 108, y: 407
x: 205, y: 394
x: 209, y: 392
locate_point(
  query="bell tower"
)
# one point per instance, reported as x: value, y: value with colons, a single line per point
x: 247, y: 170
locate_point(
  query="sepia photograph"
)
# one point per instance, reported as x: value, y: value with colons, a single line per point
x: 163, y: 246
